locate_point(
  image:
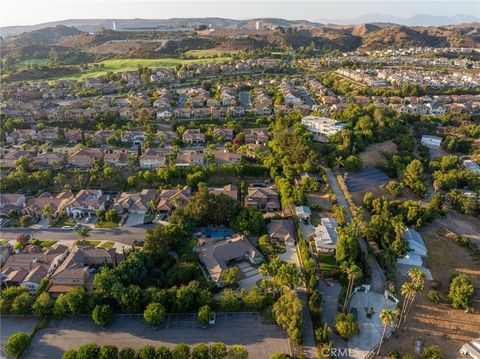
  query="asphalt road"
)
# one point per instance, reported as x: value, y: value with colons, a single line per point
x: 125, y: 235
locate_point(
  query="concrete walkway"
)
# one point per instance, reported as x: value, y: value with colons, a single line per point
x: 309, y: 347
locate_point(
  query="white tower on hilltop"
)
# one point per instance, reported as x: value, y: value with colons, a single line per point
x: 257, y: 25
x: 114, y: 26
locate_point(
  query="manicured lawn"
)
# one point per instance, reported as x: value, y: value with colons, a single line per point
x: 327, y: 262
x: 24, y: 64
x: 43, y: 244
x: 107, y: 244
x: 210, y: 53
x: 106, y: 225
x: 120, y: 65
x: 64, y: 222
x: 91, y: 243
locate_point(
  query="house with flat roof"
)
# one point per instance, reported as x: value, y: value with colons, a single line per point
x: 221, y: 255
x: 322, y: 127
x: 471, y: 349
x: 326, y: 235
x: 303, y: 213
x: 472, y: 166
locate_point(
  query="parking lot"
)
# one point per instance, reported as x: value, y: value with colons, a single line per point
x: 13, y: 324
x: 131, y: 330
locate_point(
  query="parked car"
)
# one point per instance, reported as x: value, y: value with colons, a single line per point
x: 77, y: 226
x: 67, y: 228
x: 138, y: 243
x: 354, y: 312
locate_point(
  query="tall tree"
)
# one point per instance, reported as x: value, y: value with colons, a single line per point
x: 387, y: 317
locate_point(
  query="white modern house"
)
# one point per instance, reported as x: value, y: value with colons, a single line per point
x: 431, y: 141
x: 471, y: 349
x: 322, y: 127
x: 416, y: 249
x: 326, y: 235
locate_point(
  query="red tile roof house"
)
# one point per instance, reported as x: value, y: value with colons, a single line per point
x: 30, y: 266
x: 35, y: 206
x: 170, y: 199
x: 87, y: 201
x: 11, y: 201
x: 193, y: 136
x: 75, y: 271
x: 152, y: 158
x: 263, y: 198
x: 135, y: 203
x: 85, y: 157
x: 230, y: 190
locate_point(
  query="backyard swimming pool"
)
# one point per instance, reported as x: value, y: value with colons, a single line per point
x: 217, y: 233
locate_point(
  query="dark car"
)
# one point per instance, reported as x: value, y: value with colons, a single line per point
x: 354, y: 312
x: 138, y: 243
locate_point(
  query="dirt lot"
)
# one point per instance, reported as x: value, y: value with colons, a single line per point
x: 376, y: 154
x: 440, y: 324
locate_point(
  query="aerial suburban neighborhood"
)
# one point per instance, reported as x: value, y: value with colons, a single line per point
x: 208, y: 188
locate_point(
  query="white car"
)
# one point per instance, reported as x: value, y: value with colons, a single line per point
x: 67, y: 228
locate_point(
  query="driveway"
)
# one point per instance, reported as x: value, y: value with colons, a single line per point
x: 290, y: 255
x: 370, y: 328
x: 378, y: 277
x: 134, y: 220
x: 330, y: 292
x: 125, y: 330
x: 251, y: 276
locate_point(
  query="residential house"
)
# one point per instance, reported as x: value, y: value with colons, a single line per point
x: 416, y: 248
x: 193, y: 136
x: 230, y: 190
x: 170, y: 199
x: 282, y: 230
x: 190, y: 158
x: 135, y: 203
x: 221, y: 255
x: 322, y: 127
x: 118, y: 158
x: 48, y: 160
x: 86, y: 202
x: 85, y: 157
x: 431, y: 141
x: 303, y: 213
x: 258, y: 136
x: 226, y: 134
x: 28, y: 267
x: 75, y: 271
x: 9, y: 159
x: 152, y: 158
x: 263, y: 198
x: 326, y: 235
x: 472, y: 166
x: 11, y: 202
x: 224, y: 156
x: 47, y: 203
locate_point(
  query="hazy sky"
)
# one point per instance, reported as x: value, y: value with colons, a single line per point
x: 20, y: 12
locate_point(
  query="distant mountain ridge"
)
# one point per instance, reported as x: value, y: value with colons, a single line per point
x: 92, y: 25
x: 416, y: 20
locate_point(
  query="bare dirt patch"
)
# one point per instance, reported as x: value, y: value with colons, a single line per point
x: 440, y: 324
x: 377, y: 153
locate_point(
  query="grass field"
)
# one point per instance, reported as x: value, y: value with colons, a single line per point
x: 210, y: 53
x: 43, y: 244
x: 120, y: 65
x: 107, y: 244
x: 24, y: 64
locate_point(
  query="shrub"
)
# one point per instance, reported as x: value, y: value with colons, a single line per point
x: 434, y: 296
x: 88, y: 351
x: 461, y: 291
x: 102, y: 314
x: 108, y: 352
x: 431, y: 352
x: 154, y: 314
x: 147, y: 352
x: 181, y: 351
x: 70, y: 354
x: 17, y: 343
x: 346, y: 325
x: 126, y: 353
x: 204, y: 315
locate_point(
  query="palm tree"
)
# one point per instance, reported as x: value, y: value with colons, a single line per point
x: 353, y: 271
x: 389, y: 257
x: 387, y: 317
x: 415, y: 287
x: 46, y: 212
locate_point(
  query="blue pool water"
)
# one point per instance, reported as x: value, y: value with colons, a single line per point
x: 217, y: 233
